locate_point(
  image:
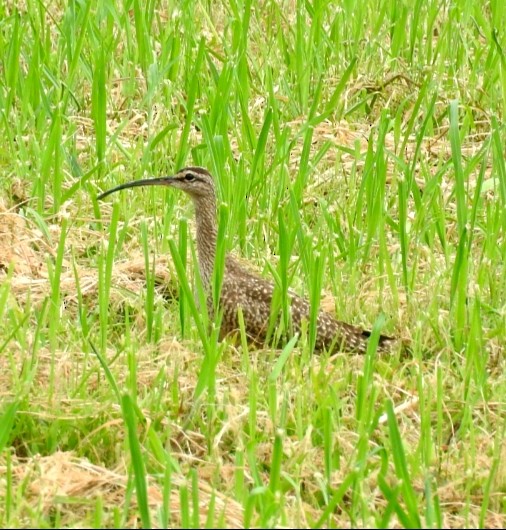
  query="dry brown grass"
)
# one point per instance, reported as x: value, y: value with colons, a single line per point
x: 72, y: 485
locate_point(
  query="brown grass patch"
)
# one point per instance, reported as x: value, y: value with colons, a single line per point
x: 70, y: 484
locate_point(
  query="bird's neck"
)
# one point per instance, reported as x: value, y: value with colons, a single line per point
x: 207, y: 231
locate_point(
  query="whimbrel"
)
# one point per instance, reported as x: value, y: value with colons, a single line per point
x: 244, y: 289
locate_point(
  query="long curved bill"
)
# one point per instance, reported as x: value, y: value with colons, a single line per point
x: 160, y: 181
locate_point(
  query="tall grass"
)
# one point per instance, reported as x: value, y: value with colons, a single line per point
x: 358, y: 152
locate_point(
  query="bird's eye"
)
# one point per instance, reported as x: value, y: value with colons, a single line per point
x: 189, y: 177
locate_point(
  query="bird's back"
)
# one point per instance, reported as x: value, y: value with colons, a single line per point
x: 241, y: 288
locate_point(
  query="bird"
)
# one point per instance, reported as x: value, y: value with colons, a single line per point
x: 241, y: 287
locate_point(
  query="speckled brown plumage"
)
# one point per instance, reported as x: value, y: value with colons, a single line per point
x: 241, y: 287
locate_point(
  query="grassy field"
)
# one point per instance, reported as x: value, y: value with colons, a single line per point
x: 358, y: 148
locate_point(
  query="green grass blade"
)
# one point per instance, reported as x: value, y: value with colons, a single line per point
x: 401, y: 468
x: 6, y: 423
x: 460, y: 192
x: 190, y: 105
x: 129, y: 416
x: 99, y: 105
x: 108, y: 374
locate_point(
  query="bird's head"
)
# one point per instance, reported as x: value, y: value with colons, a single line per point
x: 195, y: 181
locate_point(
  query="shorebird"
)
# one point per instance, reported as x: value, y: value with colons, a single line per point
x: 242, y: 288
